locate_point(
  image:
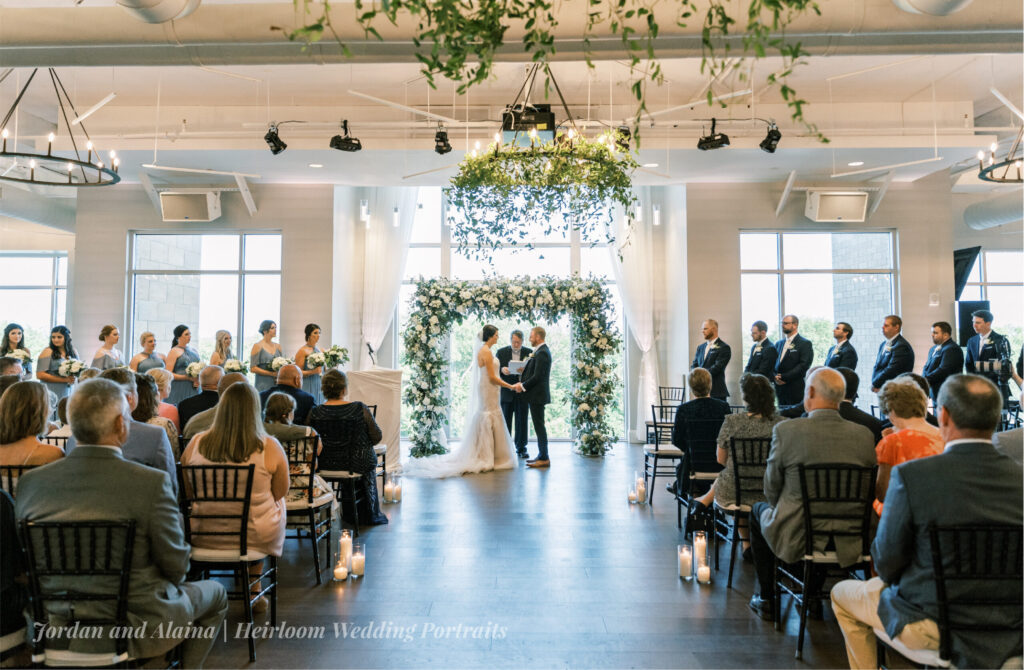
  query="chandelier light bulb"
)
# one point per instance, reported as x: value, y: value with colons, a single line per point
x: 88, y: 145
x: 497, y: 138
x: 981, y: 155
x: 113, y: 155
x: 994, y: 147
x: 117, y: 162
x: 32, y: 164
x: 51, y: 137
x: 70, y: 168
x: 4, y: 133
x: 572, y: 133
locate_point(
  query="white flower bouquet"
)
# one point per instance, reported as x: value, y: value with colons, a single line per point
x: 235, y: 365
x: 315, y: 359
x: 280, y: 362
x: 335, y: 356
x: 194, y: 369
x: 71, y: 367
x: 20, y: 354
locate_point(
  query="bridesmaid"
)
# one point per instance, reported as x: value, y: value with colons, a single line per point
x: 107, y: 356
x: 178, y: 359
x: 222, y: 350
x: 148, y: 359
x: 14, y: 342
x: 310, y: 374
x: 263, y: 354
x: 50, y: 358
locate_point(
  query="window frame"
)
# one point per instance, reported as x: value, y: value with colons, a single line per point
x: 54, y: 285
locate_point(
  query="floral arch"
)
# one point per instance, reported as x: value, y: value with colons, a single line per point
x: 438, y: 304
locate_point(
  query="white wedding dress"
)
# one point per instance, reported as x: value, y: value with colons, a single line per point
x: 486, y: 444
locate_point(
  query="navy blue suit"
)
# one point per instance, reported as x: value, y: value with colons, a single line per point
x: 714, y: 361
x: 997, y: 348
x: 892, y: 361
x: 944, y: 360
x: 762, y: 359
x: 845, y: 357
x: 536, y: 383
x: 792, y: 368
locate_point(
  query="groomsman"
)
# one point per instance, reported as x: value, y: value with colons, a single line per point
x: 713, y: 355
x: 513, y: 405
x: 988, y: 353
x: 794, y: 354
x: 842, y: 354
x: 895, y: 355
x: 944, y: 359
x: 762, y: 353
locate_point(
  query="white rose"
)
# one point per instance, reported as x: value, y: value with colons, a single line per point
x: 433, y: 319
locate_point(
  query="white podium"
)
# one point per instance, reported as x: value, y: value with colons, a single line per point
x: 382, y: 387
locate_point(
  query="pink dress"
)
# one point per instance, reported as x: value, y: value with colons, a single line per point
x: 169, y: 411
x: 267, y: 517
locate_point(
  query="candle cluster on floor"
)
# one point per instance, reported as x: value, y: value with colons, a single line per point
x: 351, y: 558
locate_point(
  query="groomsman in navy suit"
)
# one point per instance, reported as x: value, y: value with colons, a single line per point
x: 794, y: 354
x: 895, y: 355
x: 842, y: 354
x: 944, y: 359
x: 988, y: 353
x: 762, y: 352
x: 713, y: 355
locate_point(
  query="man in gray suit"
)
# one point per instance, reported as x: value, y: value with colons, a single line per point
x: 968, y: 484
x: 96, y: 483
x: 823, y: 436
x: 147, y: 444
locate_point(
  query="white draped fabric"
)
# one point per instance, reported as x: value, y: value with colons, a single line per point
x: 387, y: 247
x: 383, y: 388
x: 635, y: 276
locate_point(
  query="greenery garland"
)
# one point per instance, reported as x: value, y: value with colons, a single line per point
x: 506, y: 192
x: 438, y: 304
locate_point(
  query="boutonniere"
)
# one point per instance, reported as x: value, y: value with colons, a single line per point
x: 712, y: 347
x: 888, y: 349
x: 986, y: 342
x: 789, y: 346
x: 529, y: 357
x: 757, y: 349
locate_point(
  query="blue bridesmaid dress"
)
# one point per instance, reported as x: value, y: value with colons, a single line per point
x: 52, y: 365
x: 311, y: 384
x: 182, y: 388
x: 264, y: 360
x: 150, y: 363
x: 106, y: 361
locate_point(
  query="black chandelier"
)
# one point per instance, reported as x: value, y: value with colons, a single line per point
x: 49, y: 169
x: 1010, y: 167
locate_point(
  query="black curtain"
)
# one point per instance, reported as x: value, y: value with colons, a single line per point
x: 963, y: 261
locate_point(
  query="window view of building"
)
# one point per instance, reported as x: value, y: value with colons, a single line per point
x: 33, y: 293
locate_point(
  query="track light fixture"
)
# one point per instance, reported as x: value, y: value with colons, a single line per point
x: 771, y: 140
x: 714, y: 140
x: 274, y: 141
x: 345, y: 142
x: 441, y: 143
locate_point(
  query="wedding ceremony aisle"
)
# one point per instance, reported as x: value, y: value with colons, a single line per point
x: 547, y: 568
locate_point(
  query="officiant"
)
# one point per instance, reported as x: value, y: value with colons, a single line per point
x: 514, y: 405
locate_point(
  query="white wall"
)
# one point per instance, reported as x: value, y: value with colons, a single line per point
x: 18, y: 235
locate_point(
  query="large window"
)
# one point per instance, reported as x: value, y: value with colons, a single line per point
x: 207, y: 282
x: 33, y: 293
x: 998, y: 276
x: 431, y: 255
x: 821, y: 278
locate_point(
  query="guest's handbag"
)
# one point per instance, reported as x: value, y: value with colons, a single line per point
x: 699, y: 517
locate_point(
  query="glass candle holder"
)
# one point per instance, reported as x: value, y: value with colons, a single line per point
x: 700, y: 557
x: 389, y: 489
x: 685, y: 556
x: 396, y: 494
x: 641, y: 488
x: 358, y: 560
x: 344, y: 552
x: 631, y: 496
x: 340, y: 571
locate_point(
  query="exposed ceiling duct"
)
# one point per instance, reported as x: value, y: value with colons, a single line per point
x: 995, y: 212
x: 933, y: 7
x: 159, y: 11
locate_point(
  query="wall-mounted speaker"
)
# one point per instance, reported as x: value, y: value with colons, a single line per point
x: 836, y: 206
x: 180, y: 206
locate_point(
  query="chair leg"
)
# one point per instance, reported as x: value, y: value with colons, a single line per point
x: 804, y: 602
x: 679, y: 512
x: 654, y: 476
x: 316, y: 544
x: 732, y: 548
x: 273, y: 589
x: 243, y: 577
x: 778, y: 594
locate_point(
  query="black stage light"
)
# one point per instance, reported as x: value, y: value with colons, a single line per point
x: 274, y: 141
x: 441, y: 143
x: 714, y: 140
x: 345, y: 143
x: 771, y: 140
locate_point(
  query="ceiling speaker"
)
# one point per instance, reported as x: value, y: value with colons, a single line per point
x: 202, y: 206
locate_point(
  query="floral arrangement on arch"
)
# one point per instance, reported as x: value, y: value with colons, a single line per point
x: 438, y: 304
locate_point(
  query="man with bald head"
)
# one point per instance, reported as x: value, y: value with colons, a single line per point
x: 204, y: 420
x: 823, y: 436
x: 209, y: 377
x: 289, y: 380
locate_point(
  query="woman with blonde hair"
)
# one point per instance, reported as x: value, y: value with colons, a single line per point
x: 24, y: 416
x: 148, y: 359
x: 107, y: 356
x: 912, y: 436
x: 163, y: 380
x: 238, y: 438
x: 222, y: 348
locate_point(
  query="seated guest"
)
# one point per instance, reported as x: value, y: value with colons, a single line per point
x: 87, y: 374
x: 13, y: 592
x: 6, y: 382
x: 1011, y: 443
x: 278, y: 419
x: 969, y: 484
x: 703, y: 406
x: 797, y: 410
x: 145, y: 444
x: 147, y: 406
x: 204, y: 420
x: 237, y: 438
x: 289, y: 380
x: 62, y: 416
x: 922, y: 384
x: 163, y: 380
x: 25, y: 408
x: 9, y: 365
x: 206, y: 398
x: 851, y: 412
x: 777, y: 526
x: 96, y: 483
x: 348, y: 433
x: 912, y: 437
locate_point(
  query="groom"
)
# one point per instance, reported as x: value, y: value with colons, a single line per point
x: 535, y: 388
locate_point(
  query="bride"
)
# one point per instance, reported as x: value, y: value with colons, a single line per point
x: 486, y: 444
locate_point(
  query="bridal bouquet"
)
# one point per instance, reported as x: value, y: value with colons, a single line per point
x: 235, y: 365
x: 20, y: 354
x: 335, y: 356
x: 280, y: 362
x: 71, y: 367
x: 194, y: 369
x: 316, y: 359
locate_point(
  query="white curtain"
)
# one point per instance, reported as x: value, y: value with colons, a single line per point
x: 387, y: 247
x: 635, y: 274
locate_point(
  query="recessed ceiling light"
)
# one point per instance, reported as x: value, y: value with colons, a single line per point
x: 316, y: 165
x: 855, y: 163
x: 650, y: 165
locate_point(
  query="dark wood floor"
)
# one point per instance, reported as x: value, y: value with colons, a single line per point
x: 556, y: 562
